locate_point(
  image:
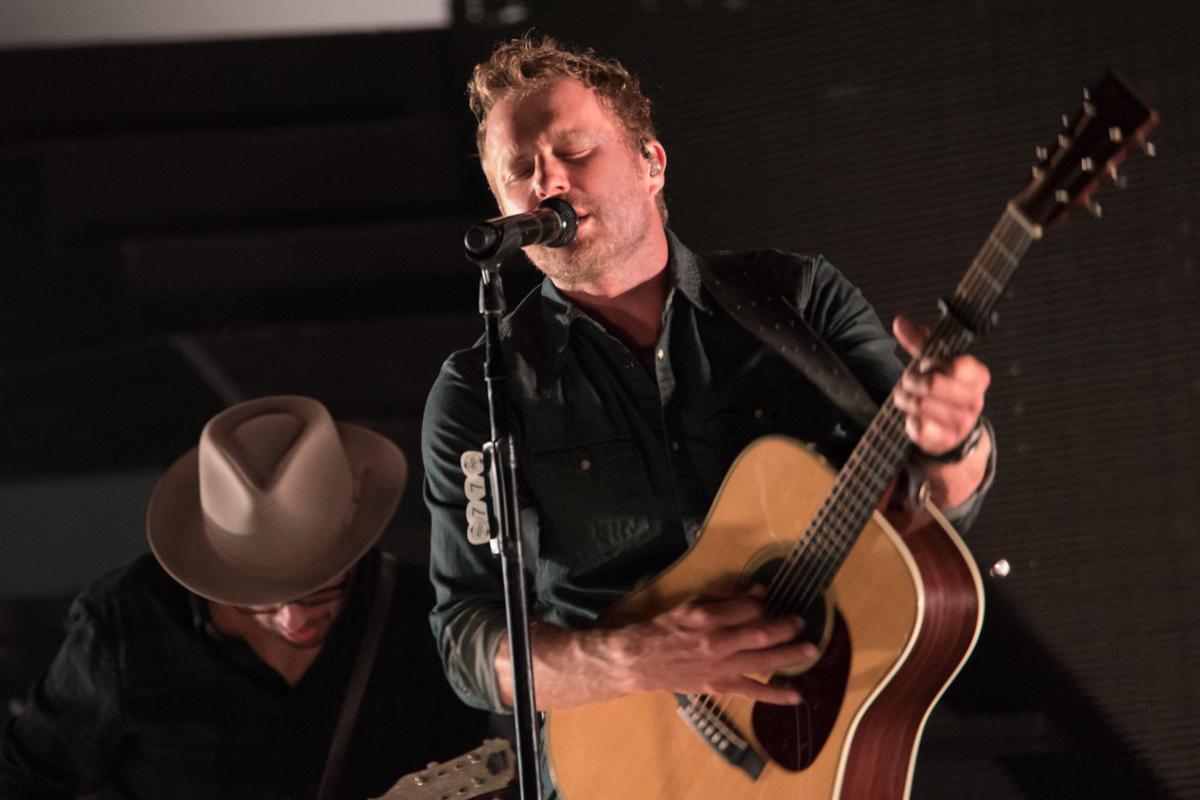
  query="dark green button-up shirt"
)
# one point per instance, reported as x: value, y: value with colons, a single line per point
x: 618, y: 466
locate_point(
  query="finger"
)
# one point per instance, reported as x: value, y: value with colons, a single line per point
x: 952, y: 416
x: 909, y: 334
x: 966, y: 371
x: 762, y: 692
x: 710, y: 614
x: 929, y: 437
x: 797, y: 655
x: 755, y: 637
x: 964, y: 386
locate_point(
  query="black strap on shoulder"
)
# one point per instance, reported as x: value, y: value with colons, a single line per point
x: 751, y: 296
x: 381, y: 605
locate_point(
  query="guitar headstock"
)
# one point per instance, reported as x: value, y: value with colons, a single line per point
x: 1111, y: 122
x: 487, y: 768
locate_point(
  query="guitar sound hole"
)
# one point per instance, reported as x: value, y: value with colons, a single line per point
x: 794, y: 735
x: 798, y: 601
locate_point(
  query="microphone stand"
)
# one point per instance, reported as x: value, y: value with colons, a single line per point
x: 501, y: 460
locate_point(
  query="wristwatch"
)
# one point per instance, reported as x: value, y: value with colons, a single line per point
x: 964, y: 448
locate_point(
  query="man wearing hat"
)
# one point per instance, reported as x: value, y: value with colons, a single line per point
x: 220, y: 666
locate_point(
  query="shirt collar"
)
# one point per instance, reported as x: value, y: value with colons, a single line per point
x: 685, y: 272
x: 558, y: 312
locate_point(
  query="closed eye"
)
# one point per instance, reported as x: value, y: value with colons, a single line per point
x: 519, y: 174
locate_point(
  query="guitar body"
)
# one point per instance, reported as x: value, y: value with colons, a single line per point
x: 897, y: 630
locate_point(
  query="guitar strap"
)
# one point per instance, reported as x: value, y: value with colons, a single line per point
x: 759, y: 304
x: 364, y: 660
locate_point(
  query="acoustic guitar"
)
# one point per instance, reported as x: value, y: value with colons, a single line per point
x: 893, y: 601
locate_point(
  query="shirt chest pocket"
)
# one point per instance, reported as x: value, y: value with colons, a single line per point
x: 592, y: 501
x: 785, y: 408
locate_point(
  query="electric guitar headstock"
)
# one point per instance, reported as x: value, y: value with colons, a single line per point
x: 488, y: 768
x: 1111, y: 123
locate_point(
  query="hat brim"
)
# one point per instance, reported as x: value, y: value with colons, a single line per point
x: 175, y: 528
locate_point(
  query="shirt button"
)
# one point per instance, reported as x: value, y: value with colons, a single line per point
x: 758, y: 413
x: 661, y: 353
x: 674, y: 445
x: 585, y: 464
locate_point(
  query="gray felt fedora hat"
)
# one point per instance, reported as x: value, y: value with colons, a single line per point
x: 277, y: 500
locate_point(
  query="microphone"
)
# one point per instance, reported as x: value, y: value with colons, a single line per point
x: 552, y: 223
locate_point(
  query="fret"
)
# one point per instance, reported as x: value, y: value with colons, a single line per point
x: 1032, y: 230
x: 1004, y: 251
x: 985, y: 273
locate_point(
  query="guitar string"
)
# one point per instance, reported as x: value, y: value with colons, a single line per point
x: 860, y: 490
x: 723, y: 705
x: 867, y: 474
x: 951, y: 340
x: 824, y: 513
x: 868, y: 492
x: 852, y: 501
x: 860, y: 463
x: 888, y: 454
x: 842, y: 520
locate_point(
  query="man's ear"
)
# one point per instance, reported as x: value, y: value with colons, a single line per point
x: 656, y: 162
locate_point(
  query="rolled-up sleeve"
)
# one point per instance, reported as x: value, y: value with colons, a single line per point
x: 468, y: 615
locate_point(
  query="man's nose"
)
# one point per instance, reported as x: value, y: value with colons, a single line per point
x: 551, y: 179
x: 294, y: 616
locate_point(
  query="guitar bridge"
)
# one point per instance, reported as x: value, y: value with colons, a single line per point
x: 720, y: 734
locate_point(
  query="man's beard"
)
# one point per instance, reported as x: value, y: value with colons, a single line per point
x: 587, y: 260
x: 576, y: 264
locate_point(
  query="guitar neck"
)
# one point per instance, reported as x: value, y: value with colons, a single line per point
x: 969, y: 313
x: 885, y: 446
x: 1111, y: 122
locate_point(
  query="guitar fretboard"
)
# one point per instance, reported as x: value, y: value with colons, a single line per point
x: 810, y: 567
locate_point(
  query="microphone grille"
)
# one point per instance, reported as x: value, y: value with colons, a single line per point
x: 570, y: 220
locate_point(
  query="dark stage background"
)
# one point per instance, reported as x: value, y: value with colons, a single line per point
x: 185, y: 225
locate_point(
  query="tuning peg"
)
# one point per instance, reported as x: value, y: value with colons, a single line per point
x: 1087, y: 165
x: 1149, y: 149
x: 1041, y: 153
x: 1066, y: 121
x: 1118, y: 179
x: 1094, y: 208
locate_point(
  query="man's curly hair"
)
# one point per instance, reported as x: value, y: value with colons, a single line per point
x: 521, y: 66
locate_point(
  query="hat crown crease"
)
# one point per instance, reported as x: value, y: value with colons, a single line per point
x: 274, y: 475
x: 261, y: 447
